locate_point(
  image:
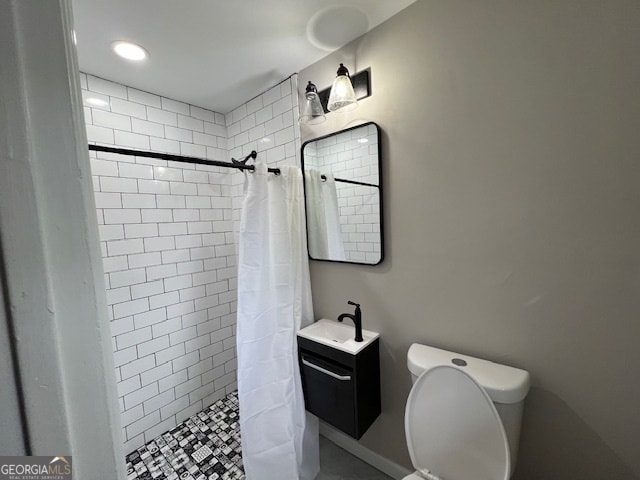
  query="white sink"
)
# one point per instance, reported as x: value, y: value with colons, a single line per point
x: 337, y: 335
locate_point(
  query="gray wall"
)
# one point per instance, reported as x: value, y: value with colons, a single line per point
x: 512, y: 214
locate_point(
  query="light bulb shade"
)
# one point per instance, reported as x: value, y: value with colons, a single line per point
x: 342, y: 95
x: 312, y: 111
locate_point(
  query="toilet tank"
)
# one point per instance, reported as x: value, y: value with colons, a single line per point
x: 506, y: 386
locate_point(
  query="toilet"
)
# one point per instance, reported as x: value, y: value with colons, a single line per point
x: 463, y: 415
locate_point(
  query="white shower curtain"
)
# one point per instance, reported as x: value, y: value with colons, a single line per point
x: 332, y: 216
x: 279, y: 438
x: 318, y: 244
x: 325, y: 234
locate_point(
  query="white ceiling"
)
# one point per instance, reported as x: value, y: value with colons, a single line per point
x: 218, y: 54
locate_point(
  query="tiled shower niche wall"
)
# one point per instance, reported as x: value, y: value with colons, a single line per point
x: 169, y: 258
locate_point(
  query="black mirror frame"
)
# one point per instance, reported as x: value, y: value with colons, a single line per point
x: 380, y: 192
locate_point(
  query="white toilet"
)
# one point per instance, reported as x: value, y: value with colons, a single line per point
x: 462, y: 419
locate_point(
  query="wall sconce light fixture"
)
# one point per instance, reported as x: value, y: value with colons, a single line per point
x: 360, y: 84
x: 343, y: 95
x: 312, y: 111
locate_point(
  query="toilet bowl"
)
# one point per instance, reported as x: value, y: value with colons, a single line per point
x: 463, y: 415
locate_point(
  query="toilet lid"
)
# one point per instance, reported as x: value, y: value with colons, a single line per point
x: 453, y: 429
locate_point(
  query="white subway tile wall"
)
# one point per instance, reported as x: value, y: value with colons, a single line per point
x: 359, y: 208
x: 166, y: 231
x: 267, y: 124
x: 353, y: 155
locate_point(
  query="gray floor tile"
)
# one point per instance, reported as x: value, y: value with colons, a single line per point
x: 338, y: 464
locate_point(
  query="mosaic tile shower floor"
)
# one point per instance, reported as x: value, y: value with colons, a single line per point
x: 207, y: 447
x: 204, y: 447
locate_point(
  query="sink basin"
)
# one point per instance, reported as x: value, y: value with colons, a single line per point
x: 337, y: 335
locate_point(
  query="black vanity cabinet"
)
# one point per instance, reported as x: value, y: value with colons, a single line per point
x: 340, y: 388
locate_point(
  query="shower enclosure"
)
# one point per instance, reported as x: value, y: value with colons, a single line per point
x: 168, y: 234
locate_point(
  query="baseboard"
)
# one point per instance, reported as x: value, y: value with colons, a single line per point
x: 356, y: 449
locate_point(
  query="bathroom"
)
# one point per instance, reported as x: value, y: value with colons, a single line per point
x: 510, y: 224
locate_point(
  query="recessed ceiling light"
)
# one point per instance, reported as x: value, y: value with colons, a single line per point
x: 363, y: 140
x: 96, y: 102
x: 129, y: 50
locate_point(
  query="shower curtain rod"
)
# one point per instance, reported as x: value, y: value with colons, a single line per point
x: 239, y: 164
x: 354, y: 182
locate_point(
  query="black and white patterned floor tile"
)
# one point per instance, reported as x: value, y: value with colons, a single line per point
x: 205, y: 447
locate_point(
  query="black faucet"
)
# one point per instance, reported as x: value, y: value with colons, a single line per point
x: 357, y: 320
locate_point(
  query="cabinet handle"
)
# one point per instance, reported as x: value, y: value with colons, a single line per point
x: 324, y: 370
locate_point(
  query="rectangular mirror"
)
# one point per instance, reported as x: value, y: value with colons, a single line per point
x: 343, y: 195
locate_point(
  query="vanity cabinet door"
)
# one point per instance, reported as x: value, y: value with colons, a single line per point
x: 329, y: 392
x: 340, y: 388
